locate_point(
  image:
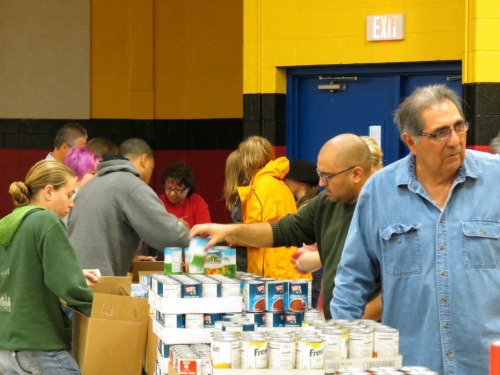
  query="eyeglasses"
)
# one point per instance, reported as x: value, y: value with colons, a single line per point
x: 177, y: 191
x: 325, y: 177
x: 443, y: 135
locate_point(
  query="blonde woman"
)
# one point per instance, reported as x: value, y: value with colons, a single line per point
x: 266, y: 199
x: 38, y: 268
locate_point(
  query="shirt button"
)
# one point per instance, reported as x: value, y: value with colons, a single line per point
x: 441, y: 220
x: 448, y: 353
x: 444, y: 299
x: 443, y: 273
x: 398, y: 241
x: 445, y: 325
x: 441, y: 247
x: 484, y: 231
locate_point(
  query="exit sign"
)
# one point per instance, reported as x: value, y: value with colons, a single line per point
x: 385, y: 27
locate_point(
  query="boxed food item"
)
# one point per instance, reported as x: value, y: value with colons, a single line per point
x: 113, y: 339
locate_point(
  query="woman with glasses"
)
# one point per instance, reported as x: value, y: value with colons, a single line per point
x: 179, y: 195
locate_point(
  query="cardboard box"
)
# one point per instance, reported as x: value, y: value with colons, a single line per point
x: 146, y: 266
x: 113, y: 339
x: 151, y: 348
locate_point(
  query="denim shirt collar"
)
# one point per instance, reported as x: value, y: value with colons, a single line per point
x: 406, y: 174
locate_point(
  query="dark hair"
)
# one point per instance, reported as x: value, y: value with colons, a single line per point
x: 102, y: 147
x: 182, y: 173
x: 133, y: 148
x: 68, y: 134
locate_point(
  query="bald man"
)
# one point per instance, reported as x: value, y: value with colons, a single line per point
x: 344, y: 164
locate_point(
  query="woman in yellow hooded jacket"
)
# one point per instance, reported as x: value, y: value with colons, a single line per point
x: 266, y: 199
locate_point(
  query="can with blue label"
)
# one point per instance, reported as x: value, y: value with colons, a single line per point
x: 298, y: 292
x: 274, y: 295
x: 292, y: 319
x: 254, y: 294
x: 257, y: 317
x: 210, y: 319
x: 274, y: 319
x: 173, y: 260
x: 191, y: 289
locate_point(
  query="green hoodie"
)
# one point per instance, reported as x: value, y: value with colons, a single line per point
x: 38, y: 267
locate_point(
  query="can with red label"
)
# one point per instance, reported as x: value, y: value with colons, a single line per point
x: 297, y: 295
x: 274, y: 319
x: 274, y: 295
x: 254, y: 294
x: 495, y: 357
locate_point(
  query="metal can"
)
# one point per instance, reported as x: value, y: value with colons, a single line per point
x: 385, y: 342
x: 282, y: 351
x: 213, y: 262
x: 196, y: 252
x: 360, y: 343
x: 313, y: 314
x: 274, y: 319
x: 254, y: 296
x: 225, y: 352
x: 173, y: 260
x: 210, y: 319
x: 193, y: 321
x: 228, y: 258
x: 274, y: 295
x: 257, y: 317
x: 292, y: 319
x: 310, y: 353
x: 297, y: 295
x: 336, y: 344
x: 495, y: 357
x: 190, y: 289
x: 254, y: 352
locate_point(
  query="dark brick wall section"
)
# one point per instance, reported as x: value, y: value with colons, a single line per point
x: 482, y: 110
x: 265, y: 115
x: 205, y: 134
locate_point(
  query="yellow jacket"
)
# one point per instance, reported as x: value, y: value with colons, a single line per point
x: 267, y: 199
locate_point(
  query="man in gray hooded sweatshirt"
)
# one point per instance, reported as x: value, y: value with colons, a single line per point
x: 116, y: 209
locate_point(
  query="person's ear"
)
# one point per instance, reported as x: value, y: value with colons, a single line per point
x: 47, y: 192
x: 409, y: 141
x: 144, y: 160
x: 357, y: 173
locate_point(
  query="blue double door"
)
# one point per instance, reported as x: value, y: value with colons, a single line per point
x: 323, y: 102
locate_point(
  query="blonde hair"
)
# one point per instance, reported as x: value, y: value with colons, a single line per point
x: 375, y: 151
x: 235, y: 176
x: 255, y: 153
x: 43, y: 173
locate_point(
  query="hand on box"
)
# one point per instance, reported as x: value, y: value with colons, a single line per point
x: 92, y: 275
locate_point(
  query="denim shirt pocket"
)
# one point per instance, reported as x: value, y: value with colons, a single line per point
x: 480, y: 243
x: 401, y: 250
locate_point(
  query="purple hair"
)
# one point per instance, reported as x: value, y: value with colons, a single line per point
x: 81, y: 160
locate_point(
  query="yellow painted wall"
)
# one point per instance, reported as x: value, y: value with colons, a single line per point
x: 483, y: 41
x: 281, y: 33
x: 166, y: 59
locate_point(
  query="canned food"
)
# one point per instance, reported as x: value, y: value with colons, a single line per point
x: 297, y: 295
x: 254, y: 296
x: 292, y: 319
x: 194, y: 321
x: 336, y: 344
x: 274, y: 319
x: 228, y: 258
x: 254, y: 352
x: 274, y: 295
x: 257, y: 317
x: 310, y: 353
x: 385, y: 342
x: 172, y: 260
x: 282, y: 352
x: 210, y: 319
x: 213, y: 262
x: 196, y: 252
x: 360, y: 343
x: 225, y: 352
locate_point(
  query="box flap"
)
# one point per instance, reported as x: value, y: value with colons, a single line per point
x: 113, y: 307
x: 146, y: 266
x: 119, y: 285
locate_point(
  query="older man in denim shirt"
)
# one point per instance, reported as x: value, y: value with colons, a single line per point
x: 429, y: 226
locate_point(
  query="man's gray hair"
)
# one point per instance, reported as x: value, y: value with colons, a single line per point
x: 408, y: 115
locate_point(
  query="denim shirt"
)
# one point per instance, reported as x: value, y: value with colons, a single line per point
x: 439, y: 267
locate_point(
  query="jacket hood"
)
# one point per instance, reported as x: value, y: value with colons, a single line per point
x: 10, y: 223
x: 116, y: 165
x: 277, y: 168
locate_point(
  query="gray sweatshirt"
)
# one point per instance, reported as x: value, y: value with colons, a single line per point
x: 112, y: 213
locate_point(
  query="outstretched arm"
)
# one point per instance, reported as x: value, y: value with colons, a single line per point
x: 255, y: 235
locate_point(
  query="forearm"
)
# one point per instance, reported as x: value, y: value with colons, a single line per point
x: 254, y: 235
